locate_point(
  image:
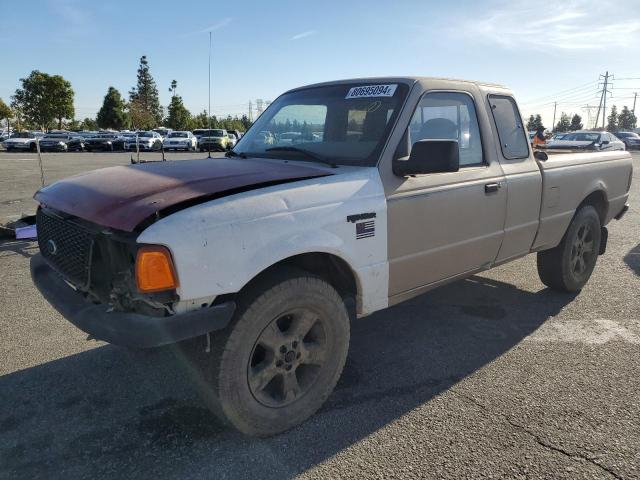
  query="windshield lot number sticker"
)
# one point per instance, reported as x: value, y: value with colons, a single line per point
x: 372, y: 91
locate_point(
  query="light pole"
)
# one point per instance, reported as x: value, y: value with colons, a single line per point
x: 209, y: 111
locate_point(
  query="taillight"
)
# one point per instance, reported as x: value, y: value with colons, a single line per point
x: 154, y: 270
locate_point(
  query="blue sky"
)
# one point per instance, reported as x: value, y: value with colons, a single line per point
x: 261, y: 49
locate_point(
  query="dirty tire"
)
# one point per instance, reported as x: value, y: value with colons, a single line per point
x: 568, y: 267
x: 282, y: 356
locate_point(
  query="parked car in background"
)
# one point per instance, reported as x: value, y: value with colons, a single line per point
x: 631, y: 140
x: 101, y: 141
x: 587, y: 140
x: 289, y: 138
x: 267, y: 137
x: 216, y: 140
x: 150, y: 140
x: 181, y: 140
x: 119, y: 143
x: 4, y: 134
x: 163, y: 132
x: 22, y: 141
x: 87, y: 133
x: 198, y: 132
x: 233, y: 139
x: 62, y: 142
x: 236, y: 133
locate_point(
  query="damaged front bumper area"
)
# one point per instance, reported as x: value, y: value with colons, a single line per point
x: 126, y: 329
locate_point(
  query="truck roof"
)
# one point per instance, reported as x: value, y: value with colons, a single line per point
x: 409, y: 80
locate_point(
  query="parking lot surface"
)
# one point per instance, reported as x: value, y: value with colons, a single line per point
x: 494, y: 376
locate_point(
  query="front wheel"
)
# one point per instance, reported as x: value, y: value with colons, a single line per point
x: 568, y: 267
x: 282, y: 357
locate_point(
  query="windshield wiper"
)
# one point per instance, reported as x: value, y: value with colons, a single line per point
x: 231, y: 153
x: 311, y: 155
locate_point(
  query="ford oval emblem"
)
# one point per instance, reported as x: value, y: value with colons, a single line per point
x: 52, y: 247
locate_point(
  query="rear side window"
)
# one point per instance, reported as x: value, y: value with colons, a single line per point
x: 513, y: 139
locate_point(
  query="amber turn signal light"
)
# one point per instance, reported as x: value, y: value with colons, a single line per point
x: 154, y: 270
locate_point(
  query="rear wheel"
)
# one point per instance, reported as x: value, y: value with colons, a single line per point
x: 282, y: 357
x: 569, y: 266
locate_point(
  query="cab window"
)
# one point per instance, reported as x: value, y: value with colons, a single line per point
x: 449, y: 116
x: 513, y: 139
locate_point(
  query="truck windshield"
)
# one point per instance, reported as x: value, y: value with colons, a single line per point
x: 347, y: 124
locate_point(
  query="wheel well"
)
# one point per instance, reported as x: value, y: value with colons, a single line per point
x: 330, y: 268
x: 597, y: 200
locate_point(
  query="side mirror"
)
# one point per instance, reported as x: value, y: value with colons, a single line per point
x: 540, y: 155
x: 429, y: 156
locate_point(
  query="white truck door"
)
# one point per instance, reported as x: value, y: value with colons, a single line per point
x: 445, y: 224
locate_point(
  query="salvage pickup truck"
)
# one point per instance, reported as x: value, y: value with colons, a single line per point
x: 393, y: 187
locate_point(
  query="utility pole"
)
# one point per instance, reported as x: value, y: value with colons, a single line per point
x: 250, y: 111
x: 553, y: 125
x: 635, y: 95
x: 595, y: 125
x: 588, y: 108
x: 603, y: 99
x: 209, y: 112
x: 604, y: 96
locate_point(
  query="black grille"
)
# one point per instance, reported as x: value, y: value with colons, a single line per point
x: 66, y: 245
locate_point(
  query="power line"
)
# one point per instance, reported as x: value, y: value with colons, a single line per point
x: 578, y: 96
x: 560, y: 93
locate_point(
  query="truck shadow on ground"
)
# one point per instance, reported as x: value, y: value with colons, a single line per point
x: 632, y: 259
x: 26, y: 248
x: 110, y: 412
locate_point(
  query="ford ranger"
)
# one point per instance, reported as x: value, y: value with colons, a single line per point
x: 393, y: 186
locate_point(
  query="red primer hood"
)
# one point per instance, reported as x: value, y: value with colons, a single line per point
x: 122, y: 197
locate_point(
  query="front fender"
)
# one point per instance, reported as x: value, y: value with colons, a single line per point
x: 221, y: 245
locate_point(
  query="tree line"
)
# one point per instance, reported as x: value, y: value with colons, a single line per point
x: 45, y: 101
x: 625, y: 120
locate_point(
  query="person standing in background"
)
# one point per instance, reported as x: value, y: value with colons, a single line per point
x: 538, y: 138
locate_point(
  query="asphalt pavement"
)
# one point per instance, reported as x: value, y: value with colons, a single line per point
x: 494, y: 376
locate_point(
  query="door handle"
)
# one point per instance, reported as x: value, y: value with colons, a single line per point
x: 492, y: 187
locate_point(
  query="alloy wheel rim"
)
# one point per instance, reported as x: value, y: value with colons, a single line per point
x: 582, y: 250
x: 287, y: 358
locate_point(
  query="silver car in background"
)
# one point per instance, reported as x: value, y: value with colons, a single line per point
x: 587, y: 140
x: 24, y: 141
x: 145, y: 141
x: 181, y: 140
